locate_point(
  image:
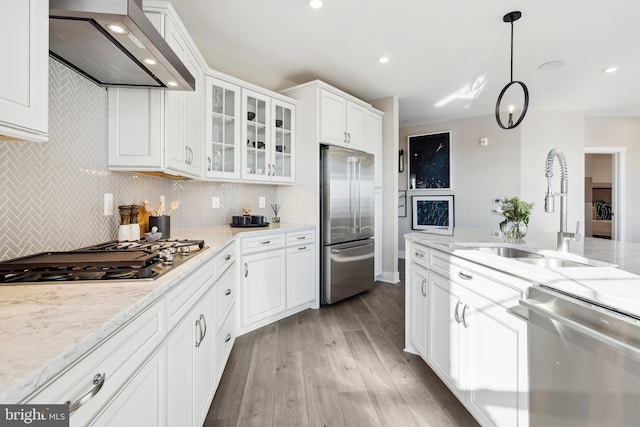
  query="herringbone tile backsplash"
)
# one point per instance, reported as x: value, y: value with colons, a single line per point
x: 51, y: 194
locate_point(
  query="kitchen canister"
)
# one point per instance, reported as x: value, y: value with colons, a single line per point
x: 163, y: 222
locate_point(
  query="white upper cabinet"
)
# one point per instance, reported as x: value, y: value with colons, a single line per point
x: 160, y: 131
x: 222, y: 125
x: 267, y: 138
x: 24, y: 87
x: 342, y: 122
x: 183, y: 129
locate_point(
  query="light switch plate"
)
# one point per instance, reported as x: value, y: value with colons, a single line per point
x: 262, y: 203
x: 108, y: 204
x: 215, y: 202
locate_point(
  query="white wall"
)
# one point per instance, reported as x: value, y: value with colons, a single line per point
x: 542, y: 131
x: 621, y: 132
x: 478, y: 173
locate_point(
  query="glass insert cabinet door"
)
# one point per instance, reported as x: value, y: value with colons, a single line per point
x: 223, y: 130
x: 257, y: 144
x: 283, y: 137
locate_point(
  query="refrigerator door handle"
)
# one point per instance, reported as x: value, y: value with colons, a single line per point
x: 358, y: 188
x: 351, y: 182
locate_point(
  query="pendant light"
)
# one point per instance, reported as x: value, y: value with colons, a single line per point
x: 511, y: 17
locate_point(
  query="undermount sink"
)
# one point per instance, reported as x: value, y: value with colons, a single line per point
x: 508, y: 252
x: 526, y: 256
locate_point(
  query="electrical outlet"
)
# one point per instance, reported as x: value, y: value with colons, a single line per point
x: 215, y: 202
x: 108, y: 204
x: 262, y: 202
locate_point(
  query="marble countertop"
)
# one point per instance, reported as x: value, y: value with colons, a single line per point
x: 614, y: 282
x: 46, y: 327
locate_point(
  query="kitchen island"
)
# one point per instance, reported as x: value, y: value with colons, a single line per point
x: 463, y: 312
x: 46, y: 328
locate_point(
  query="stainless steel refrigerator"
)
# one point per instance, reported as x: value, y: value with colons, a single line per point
x: 346, y: 226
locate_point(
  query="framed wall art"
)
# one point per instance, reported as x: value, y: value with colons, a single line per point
x: 433, y: 214
x: 430, y: 161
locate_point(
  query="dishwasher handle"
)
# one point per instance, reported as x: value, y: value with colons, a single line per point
x: 541, y: 309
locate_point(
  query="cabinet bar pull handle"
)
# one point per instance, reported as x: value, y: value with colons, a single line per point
x: 266, y: 242
x: 302, y: 248
x: 455, y: 312
x: 228, y: 257
x: 419, y: 254
x: 199, y: 333
x: 301, y: 237
x: 464, y: 316
x: 465, y: 276
x: 204, y: 323
x: 424, y: 294
x: 227, y: 338
x: 227, y: 292
x: 349, y: 135
x: 246, y: 269
x: 98, y: 382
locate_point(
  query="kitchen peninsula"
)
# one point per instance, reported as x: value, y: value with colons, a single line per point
x: 464, y: 308
x: 49, y: 330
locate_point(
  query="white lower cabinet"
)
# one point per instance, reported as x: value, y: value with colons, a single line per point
x: 263, y: 285
x: 301, y: 267
x: 141, y: 401
x: 479, y: 350
x: 192, y: 346
x: 279, y: 277
x: 419, y: 305
x: 457, y: 320
x: 118, y: 368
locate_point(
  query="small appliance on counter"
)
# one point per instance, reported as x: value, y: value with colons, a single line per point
x: 248, y: 220
x: 105, y: 261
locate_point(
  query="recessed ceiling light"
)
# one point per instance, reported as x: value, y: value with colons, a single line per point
x: 551, y: 65
x: 150, y: 61
x: 610, y: 69
x: 383, y: 59
x: 315, y: 4
x: 172, y: 84
x: 117, y: 29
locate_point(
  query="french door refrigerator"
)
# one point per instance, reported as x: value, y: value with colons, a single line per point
x: 346, y: 222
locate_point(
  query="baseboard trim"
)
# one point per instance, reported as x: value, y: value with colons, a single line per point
x: 388, y: 277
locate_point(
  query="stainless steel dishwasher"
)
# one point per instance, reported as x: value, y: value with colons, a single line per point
x: 584, y: 362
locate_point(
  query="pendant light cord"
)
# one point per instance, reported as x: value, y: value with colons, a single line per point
x: 512, y: 51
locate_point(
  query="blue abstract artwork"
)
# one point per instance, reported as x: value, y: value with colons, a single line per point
x: 430, y: 161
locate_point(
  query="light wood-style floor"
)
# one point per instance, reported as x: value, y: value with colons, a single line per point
x: 341, y: 365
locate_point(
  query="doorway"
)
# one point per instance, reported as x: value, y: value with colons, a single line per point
x: 604, y: 192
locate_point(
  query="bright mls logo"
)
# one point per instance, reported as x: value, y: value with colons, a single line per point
x: 34, y: 415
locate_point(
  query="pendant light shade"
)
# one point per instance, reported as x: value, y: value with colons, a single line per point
x: 511, y: 17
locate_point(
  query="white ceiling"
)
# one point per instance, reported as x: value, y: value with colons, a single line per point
x: 437, y: 48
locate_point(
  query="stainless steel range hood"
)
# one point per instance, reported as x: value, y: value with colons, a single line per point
x: 84, y: 35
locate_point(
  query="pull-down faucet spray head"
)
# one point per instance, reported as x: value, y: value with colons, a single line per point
x: 549, y: 205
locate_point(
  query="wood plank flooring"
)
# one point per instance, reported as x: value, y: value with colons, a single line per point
x: 341, y: 365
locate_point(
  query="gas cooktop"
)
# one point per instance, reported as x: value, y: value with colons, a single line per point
x: 105, y: 261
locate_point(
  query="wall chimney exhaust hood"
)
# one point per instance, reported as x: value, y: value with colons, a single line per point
x: 113, y: 43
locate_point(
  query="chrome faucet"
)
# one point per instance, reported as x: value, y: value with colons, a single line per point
x: 563, y: 235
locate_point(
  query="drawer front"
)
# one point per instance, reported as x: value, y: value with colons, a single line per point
x: 488, y: 283
x: 184, y: 296
x: 224, y: 342
x: 420, y: 255
x: 300, y: 237
x: 117, y: 359
x: 223, y: 259
x: 262, y: 243
x: 225, y: 295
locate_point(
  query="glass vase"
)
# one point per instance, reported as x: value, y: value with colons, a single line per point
x: 514, y: 230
